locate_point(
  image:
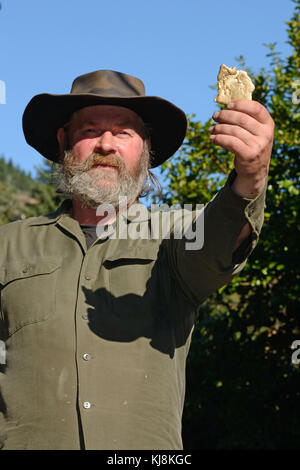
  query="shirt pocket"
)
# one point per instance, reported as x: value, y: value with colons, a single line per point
x: 27, y: 292
x: 132, y: 278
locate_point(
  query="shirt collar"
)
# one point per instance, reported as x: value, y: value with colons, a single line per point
x: 64, y: 210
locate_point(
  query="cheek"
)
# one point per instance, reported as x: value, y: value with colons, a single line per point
x: 133, y: 154
x: 82, y: 150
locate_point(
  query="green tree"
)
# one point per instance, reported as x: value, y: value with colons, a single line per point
x: 22, y: 196
x: 243, y: 390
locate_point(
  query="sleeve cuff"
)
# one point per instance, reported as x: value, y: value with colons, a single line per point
x: 253, y: 211
x: 228, y: 213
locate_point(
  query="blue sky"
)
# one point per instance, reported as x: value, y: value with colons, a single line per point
x: 174, y: 46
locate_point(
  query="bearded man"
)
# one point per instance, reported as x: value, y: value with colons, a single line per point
x: 97, y: 328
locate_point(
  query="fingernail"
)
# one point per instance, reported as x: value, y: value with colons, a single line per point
x: 211, y: 128
x: 212, y: 137
x: 230, y: 105
x: 216, y: 114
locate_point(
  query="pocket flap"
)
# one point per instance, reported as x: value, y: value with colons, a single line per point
x: 23, y: 268
x: 148, y: 251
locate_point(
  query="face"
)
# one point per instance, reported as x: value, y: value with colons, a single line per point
x: 108, y: 157
x: 107, y: 130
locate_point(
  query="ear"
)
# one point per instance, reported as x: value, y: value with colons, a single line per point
x: 61, y: 138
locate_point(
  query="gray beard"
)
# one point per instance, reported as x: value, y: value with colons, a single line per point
x: 100, y: 186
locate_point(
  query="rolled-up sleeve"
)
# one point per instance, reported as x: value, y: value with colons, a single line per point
x: 201, y: 272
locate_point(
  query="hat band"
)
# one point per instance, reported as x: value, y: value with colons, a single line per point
x: 109, y: 92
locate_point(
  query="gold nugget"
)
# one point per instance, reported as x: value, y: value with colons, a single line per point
x: 233, y: 84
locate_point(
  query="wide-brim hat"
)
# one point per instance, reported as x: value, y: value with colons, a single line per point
x: 46, y: 113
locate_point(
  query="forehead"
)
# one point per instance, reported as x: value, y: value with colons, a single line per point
x: 102, y: 114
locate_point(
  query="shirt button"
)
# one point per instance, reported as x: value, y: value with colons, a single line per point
x: 85, y: 316
x: 86, y: 357
x: 87, y: 277
x: 86, y: 405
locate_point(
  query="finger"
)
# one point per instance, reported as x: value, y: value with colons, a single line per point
x: 253, y: 109
x: 232, y: 144
x: 240, y: 119
x: 235, y: 131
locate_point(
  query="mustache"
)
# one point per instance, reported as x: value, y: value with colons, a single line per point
x: 93, y: 159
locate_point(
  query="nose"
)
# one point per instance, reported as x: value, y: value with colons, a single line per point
x: 105, y: 143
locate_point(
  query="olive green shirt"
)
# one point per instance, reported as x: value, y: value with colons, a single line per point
x: 96, y: 339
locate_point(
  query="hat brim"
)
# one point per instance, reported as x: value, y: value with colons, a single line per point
x: 46, y: 113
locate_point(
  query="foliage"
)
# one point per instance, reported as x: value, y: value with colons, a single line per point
x: 242, y: 388
x: 22, y: 196
x: 13, y: 176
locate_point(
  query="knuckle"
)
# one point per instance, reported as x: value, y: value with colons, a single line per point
x: 269, y: 135
x: 252, y: 157
x: 242, y: 120
x: 259, y: 148
x: 270, y: 125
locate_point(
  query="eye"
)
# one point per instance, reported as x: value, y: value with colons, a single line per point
x: 123, y: 133
x: 90, y: 132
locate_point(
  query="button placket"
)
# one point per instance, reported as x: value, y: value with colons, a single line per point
x: 85, y: 356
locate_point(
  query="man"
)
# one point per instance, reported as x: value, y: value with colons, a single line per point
x: 97, y: 327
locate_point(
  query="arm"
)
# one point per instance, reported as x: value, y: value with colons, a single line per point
x: 200, y: 272
x: 246, y: 129
x: 234, y: 217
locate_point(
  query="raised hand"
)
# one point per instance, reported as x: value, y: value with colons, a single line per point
x: 246, y: 129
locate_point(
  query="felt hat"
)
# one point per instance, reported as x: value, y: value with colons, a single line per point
x: 46, y: 113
